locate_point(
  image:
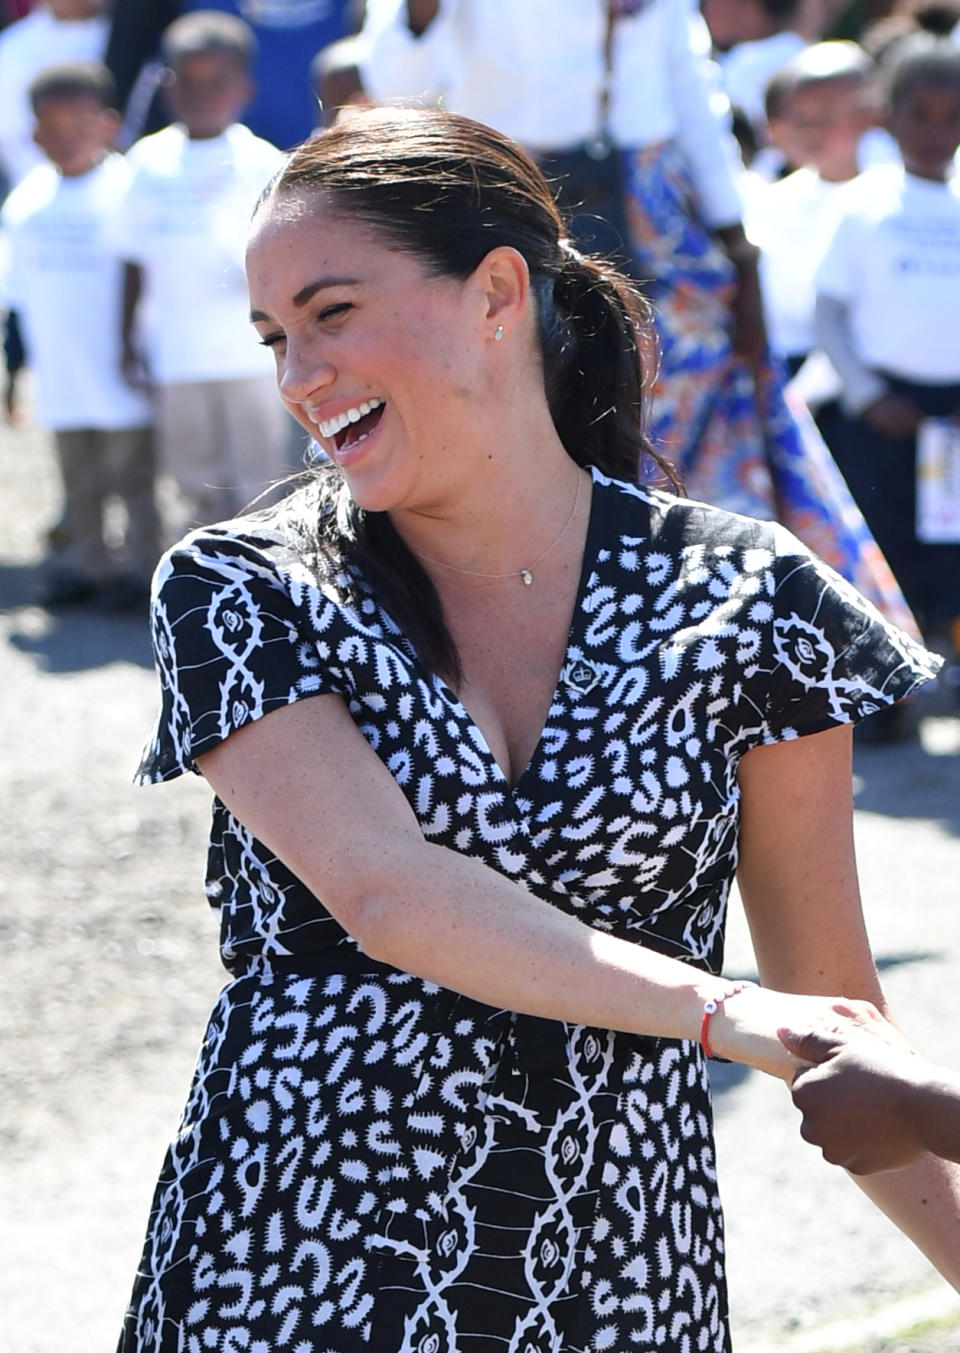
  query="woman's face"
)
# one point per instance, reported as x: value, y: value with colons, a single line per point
x: 378, y: 359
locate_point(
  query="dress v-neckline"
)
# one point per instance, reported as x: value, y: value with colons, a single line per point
x: 477, y: 735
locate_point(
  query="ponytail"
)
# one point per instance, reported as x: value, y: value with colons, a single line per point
x: 599, y: 356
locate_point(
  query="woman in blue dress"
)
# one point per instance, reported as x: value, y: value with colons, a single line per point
x: 491, y: 728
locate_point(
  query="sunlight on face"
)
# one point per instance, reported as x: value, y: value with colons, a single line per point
x: 378, y: 358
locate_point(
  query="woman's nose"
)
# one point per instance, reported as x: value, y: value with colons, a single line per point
x: 303, y: 371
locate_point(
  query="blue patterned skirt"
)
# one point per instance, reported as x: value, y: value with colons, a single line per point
x: 735, y: 431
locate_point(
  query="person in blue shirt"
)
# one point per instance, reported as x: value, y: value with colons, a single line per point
x: 289, y: 34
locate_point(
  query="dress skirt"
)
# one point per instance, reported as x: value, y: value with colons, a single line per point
x: 361, y: 1153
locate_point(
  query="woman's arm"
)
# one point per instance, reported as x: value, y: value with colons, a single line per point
x: 799, y: 887
x: 308, y: 785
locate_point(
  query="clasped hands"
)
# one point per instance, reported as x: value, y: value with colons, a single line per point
x: 854, y: 1077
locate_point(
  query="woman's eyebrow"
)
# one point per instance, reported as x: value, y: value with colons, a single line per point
x: 307, y: 293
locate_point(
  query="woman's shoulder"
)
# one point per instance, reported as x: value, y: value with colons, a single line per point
x: 671, y: 522
x: 281, y: 536
x: 276, y: 561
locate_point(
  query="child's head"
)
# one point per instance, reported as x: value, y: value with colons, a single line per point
x: 208, y: 55
x: 336, y: 79
x: 74, y: 115
x: 923, y: 104
x: 819, y: 105
x: 733, y: 21
x: 70, y: 11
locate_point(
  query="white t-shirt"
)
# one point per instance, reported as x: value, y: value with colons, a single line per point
x: 184, y: 220
x: 894, y: 260
x: 792, y: 222
x: 535, y: 70
x: 26, y: 48
x: 65, y: 282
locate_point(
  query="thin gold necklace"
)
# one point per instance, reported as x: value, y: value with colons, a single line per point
x: 526, y: 574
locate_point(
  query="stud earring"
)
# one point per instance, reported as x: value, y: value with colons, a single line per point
x: 498, y: 333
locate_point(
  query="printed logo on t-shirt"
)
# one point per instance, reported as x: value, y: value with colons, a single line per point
x: 928, y: 247
x: 285, y: 13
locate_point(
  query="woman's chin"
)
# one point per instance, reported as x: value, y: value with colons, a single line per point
x: 374, y: 493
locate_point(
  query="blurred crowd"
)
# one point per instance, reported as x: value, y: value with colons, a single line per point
x: 778, y: 175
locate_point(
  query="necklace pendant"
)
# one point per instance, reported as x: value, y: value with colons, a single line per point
x: 527, y: 577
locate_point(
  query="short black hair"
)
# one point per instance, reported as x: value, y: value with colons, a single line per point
x: 74, y: 80
x: 208, y: 30
x: 920, y: 59
x: 779, y: 9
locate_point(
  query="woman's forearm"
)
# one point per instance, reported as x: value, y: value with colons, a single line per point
x: 923, y: 1200
x: 457, y: 922
x: 937, y: 1113
x: 440, y: 914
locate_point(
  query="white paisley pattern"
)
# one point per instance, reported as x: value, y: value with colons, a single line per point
x: 368, y: 1161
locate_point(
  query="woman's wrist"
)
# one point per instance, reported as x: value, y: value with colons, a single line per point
x: 714, y: 1005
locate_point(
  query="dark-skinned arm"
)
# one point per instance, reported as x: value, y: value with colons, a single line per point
x: 869, y: 1102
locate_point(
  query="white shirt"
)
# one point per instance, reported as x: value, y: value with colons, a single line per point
x: 184, y: 220
x: 535, y: 70
x: 792, y: 222
x: 66, y: 284
x: 26, y: 47
x: 894, y: 261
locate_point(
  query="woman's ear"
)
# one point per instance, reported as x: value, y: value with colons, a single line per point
x: 503, y: 279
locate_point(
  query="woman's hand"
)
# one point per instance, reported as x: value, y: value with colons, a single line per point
x: 747, y: 1026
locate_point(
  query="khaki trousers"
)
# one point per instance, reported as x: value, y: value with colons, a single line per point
x: 96, y: 465
x: 222, y: 442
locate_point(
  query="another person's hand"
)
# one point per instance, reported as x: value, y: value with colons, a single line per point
x: 893, y: 415
x: 855, y: 1097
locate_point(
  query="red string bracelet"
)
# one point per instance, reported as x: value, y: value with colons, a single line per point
x: 711, y: 1007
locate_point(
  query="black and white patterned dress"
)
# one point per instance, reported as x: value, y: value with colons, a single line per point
x: 367, y: 1161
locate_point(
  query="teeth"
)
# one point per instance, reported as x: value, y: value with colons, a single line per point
x: 331, y: 426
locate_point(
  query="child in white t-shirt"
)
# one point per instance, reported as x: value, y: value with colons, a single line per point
x: 223, y: 432
x: 66, y: 283
x: 824, y: 105
x: 52, y: 33
x: 888, y: 316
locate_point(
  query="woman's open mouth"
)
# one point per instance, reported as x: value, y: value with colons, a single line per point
x: 353, y: 426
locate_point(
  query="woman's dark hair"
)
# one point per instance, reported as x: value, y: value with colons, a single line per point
x: 447, y: 190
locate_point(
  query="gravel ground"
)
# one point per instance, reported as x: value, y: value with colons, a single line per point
x: 108, y: 965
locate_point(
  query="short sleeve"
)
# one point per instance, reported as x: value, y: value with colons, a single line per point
x: 834, y: 658
x: 235, y: 635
